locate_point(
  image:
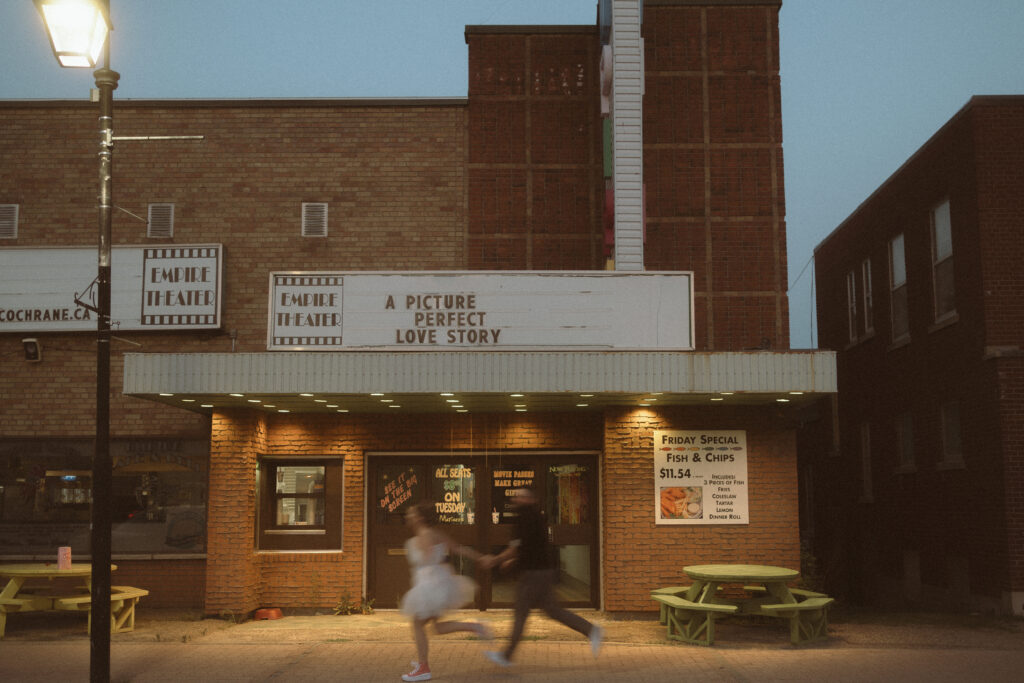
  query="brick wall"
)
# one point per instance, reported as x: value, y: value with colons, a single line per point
x: 535, y: 164
x: 171, y: 583
x: 713, y: 167
x: 640, y: 555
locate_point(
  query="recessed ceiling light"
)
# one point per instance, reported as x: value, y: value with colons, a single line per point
x: 727, y: 393
x: 796, y: 393
x: 657, y: 393
x: 520, y: 405
x: 387, y: 400
x: 376, y: 394
x: 237, y: 395
x: 650, y: 399
x: 457, y: 405
x: 342, y: 410
x: 582, y: 405
x: 306, y: 395
x: 645, y: 405
x: 394, y: 406
x: 319, y: 400
x: 269, y: 405
x: 447, y: 393
x: 451, y: 400
x: 167, y: 394
x: 520, y: 410
x: 332, y: 405
x: 586, y: 395
x: 284, y: 410
x: 782, y: 400
x: 516, y: 395
x: 207, y: 405
x: 188, y: 400
x: 718, y: 399
x: 463, y: 410
x: 255, y: 400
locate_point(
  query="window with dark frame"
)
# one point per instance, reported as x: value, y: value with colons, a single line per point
x: 898, y: 289
x: 869, y: 306
x: 300, y: 507
x: 851, y: 305
x: 942, y: 262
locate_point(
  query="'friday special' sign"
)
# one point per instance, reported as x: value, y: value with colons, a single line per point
x: 700, y: 477
x: 480, y: 310
x: 173, y: 287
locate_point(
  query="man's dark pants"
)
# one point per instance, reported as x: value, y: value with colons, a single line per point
x: 534, y: 589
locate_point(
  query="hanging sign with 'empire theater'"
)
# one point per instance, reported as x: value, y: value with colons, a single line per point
x: 319, y: 311
x: 152, y: 288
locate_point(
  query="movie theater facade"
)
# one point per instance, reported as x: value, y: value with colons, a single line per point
x: 324, y: 311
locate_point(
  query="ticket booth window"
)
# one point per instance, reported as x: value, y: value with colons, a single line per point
x: 301, y: 504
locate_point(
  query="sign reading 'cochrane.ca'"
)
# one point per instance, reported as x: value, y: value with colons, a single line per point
x: 476, y: 310
x: 152, y: 288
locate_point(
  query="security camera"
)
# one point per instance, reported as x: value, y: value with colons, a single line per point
x: 33, y: 350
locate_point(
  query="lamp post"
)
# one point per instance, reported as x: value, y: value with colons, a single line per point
x: 78, y: 31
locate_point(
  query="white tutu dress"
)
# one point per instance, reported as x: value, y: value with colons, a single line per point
x: 435, y: 587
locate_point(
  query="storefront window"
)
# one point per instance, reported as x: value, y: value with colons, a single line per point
x: 568, y: 494
x: 158, y: 497
x: 504, y: 482
x: 300, y: 496
x: 454, y: 494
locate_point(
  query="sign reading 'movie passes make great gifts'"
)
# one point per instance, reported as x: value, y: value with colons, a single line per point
x: 174, y: 287
x: 505, y: 310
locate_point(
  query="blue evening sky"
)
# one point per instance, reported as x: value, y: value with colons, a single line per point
x: 864, y: 82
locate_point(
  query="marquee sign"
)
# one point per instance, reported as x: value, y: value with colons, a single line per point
x: 172, y: 287
x: 480, y: 310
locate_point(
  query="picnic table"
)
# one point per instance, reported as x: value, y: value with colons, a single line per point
x: 31, y: 588
x: 689, y: 612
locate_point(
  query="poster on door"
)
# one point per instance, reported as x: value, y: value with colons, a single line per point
x: 700, y: 477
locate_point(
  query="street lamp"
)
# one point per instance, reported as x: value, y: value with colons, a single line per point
x: 78, y: 31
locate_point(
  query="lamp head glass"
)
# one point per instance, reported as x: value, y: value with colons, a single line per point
x: 78, y: 30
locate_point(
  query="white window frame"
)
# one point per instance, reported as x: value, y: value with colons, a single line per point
x: 898, y: 286
x: 951, y: 427
x: 9, y: 221
x: 942, y: 259
x: 314, y: 219
x: 868, y: 298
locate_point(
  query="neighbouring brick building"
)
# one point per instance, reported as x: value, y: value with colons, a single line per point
x: 334, y: 308
x: 919, y: 293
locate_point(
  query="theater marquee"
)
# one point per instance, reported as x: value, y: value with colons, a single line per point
x: 480, y: 310
x: 152, y: 288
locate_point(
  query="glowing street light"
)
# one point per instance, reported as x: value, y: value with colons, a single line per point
x: 77, y: 30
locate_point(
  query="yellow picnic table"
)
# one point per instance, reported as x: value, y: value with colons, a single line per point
x: 24, y: 592
x: 689, y: 612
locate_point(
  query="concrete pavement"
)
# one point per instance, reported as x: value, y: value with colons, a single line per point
x: 378, y: 648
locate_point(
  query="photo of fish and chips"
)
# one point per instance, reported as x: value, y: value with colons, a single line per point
x: 682, y: 502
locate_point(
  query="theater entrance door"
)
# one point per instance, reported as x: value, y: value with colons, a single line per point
x: 471, y: 497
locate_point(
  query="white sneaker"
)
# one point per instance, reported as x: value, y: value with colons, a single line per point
x: 596, y: 636
x: 497, y: 657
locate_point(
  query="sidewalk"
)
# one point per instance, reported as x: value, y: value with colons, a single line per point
x: 174, y: 647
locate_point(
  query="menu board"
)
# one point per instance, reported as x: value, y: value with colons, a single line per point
x: 700, y: 477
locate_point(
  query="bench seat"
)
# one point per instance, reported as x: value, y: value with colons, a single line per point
x: 122, y: 606
x: 692, y: 622
x: 808, y: 619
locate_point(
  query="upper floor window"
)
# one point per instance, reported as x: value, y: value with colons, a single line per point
x: 851, y: 304
x: 314, y: 219
x: 898, y: 289
x: 904, y: 427
x: 8, y: 221
x: 942, y: 261
x: 869, y: 308
x: 865, y: 462
x: 952, y: 453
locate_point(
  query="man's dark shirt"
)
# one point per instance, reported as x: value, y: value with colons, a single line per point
x: 532, y: 532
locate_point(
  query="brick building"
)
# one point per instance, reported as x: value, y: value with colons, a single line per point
x: 919, y: 292
x: 612, y: 208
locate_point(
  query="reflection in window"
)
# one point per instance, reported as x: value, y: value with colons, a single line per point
x: 454, y: 491
x: 568, y: 494
x: 300, y: 496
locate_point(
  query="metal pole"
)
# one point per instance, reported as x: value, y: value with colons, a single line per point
x: 99, y: 637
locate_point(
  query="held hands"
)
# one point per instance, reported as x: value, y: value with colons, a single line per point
x: 487, y: 561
